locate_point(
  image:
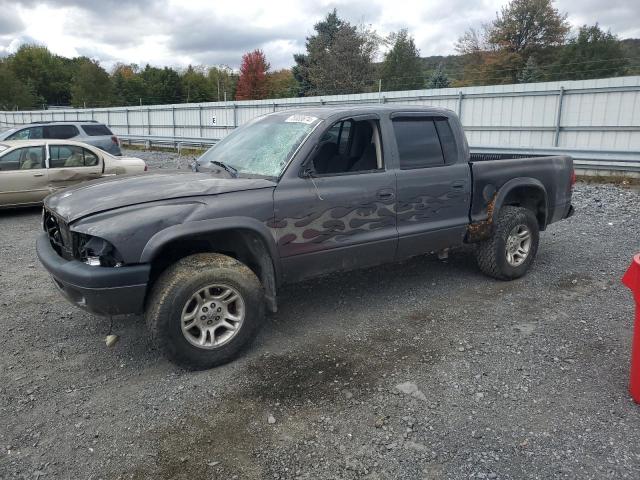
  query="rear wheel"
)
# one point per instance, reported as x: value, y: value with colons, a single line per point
x: 204, y: 309
x: 512, y: 248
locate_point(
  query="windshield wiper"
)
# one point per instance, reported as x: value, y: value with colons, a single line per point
x: 232, y: 171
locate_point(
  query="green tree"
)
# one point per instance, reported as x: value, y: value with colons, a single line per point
x: 531, y: 72
x: 162, y: 85
x: 223, y: 83
x: 91, y: 85
x: 14, y: 92
x: 338, y: 58
x: 593, y: 53
x: 402, y: 66
x: 195, y: 85
x: 438, y: 79
x: 46, y: 73
x: 128, y: 85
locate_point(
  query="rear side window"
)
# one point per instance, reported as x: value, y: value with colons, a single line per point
x: 447, y: 140
x: 418, y: 143
x: 60, y: 131
x: 96, y: 130
x: 71, y: 156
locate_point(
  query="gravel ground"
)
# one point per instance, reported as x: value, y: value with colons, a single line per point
x: 425, y: 369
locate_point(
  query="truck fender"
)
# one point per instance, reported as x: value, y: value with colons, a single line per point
x: 495, y: 198
x: 209, y: 228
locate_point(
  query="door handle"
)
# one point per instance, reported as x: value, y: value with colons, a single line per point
x: 458, y: 185
x: 38, y: 174
x: 384, y: 194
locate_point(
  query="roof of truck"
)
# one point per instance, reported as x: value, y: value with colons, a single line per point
x: 331, y: 110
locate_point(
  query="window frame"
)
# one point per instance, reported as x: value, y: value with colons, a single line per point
x: 308, y: 162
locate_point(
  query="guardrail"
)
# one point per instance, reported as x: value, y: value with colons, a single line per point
x: 176, y: 142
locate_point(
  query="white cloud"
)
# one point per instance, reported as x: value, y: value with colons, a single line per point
x: 182, y: 32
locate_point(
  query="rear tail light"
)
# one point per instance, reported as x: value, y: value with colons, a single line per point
x: 115, y: 140
x: 573, y: 178
x: 146, y: 167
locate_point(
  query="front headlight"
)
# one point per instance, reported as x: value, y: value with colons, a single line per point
x: 97, y: 252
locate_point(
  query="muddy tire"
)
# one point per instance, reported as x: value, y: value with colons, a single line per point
x: 512, y: 248
x: 204, y: 310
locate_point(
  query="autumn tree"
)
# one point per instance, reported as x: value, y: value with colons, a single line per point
x: 252, y: 84
x: 523, y: 28
x: 338, y: 58
x: 402, y: 66
x: 281, y: 84
x: 592, y: 53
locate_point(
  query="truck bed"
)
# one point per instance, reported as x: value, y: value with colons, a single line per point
x: 492, y: 171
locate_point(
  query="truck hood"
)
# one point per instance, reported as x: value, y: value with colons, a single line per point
x: 106, y: 194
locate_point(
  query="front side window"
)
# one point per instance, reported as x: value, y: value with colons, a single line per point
x: 28, y: 158
x: 61, y: 132
x: 27, y: 134
x: 418, y: 142
x: 65, y: 156
x: 349, y: 146
x: 262, y: 147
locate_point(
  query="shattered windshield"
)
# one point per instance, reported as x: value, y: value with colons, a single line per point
x: 262, y: 146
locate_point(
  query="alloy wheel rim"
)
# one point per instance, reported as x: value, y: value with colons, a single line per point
x: 212, y: 316
x: 518, y: 245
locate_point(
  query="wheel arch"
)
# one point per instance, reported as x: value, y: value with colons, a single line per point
x: 522, y: 192
x: 527, y: 193
x: 244, y: 239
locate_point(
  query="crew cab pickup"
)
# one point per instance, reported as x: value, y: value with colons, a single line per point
x: 288, y: 196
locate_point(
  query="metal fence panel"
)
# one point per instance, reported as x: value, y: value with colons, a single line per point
x: 600, y: 114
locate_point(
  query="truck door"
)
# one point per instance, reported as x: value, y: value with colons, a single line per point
x: 337, y: 212
x: 70, y: 164
x: 23, y: 176
x: 434, y: 185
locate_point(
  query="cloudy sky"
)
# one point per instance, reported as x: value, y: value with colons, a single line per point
x: 182, y: 32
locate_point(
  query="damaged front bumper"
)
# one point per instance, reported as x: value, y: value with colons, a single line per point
x: 99, y: 290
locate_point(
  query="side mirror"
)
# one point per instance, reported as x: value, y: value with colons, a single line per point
x: 307, y: 171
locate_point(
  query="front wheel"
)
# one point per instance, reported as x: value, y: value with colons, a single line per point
x: 510, y: 251
x: 204, y: 309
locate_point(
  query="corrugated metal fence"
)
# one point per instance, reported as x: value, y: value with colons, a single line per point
x: 589, y: 115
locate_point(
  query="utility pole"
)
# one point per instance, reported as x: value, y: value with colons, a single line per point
x: 379, y: 90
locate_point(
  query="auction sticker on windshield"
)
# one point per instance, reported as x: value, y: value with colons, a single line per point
x: 308, y: 119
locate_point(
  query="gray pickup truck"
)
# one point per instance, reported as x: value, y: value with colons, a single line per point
x: 288, y: 196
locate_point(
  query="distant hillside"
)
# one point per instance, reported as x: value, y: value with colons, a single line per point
x: 453, y: 65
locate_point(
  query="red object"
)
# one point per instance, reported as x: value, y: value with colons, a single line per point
x: 631, y: 279
x: 252, y: 83
x: 115, y: 140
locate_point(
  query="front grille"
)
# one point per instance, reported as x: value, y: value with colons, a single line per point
x: 59, y: 235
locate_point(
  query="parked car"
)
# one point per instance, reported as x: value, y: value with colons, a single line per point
x: 289, y: 196
x: 88, y: 131
x: 32, y: 169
